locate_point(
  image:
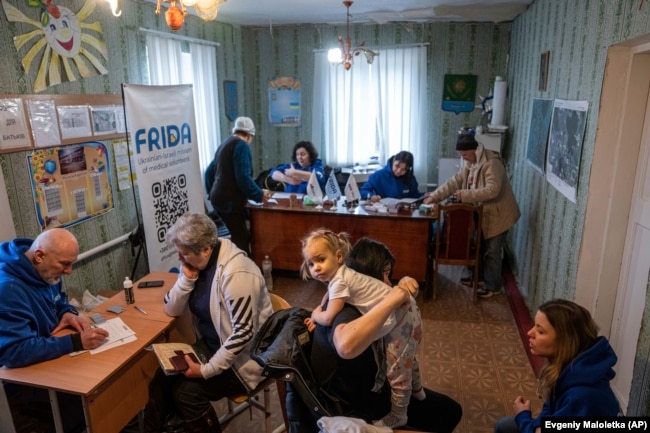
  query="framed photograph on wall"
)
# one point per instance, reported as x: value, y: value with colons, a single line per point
x: 230, y: 99
x: 543, y: 70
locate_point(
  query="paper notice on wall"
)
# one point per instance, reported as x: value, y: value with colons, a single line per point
x: 45, y: 128
x: 13, y: 126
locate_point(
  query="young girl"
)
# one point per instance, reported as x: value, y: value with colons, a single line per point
x: 324, y: 253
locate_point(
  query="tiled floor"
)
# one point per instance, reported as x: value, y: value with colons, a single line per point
x: 472, y: 352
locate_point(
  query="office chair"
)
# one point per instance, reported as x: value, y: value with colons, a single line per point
x: 458, y: 242
x: 240, y: 403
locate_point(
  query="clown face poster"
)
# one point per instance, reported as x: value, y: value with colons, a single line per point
x: 63, y: 46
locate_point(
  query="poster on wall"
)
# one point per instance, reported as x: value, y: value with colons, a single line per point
x: 540, y: 122
x: 161, y: 123
x: 568, y: 124
x: 459, y: 93
x: 284, y: 101
x: 66, y: 43
x: 70, y: 183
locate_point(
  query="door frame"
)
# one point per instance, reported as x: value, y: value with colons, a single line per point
x: 624, y: 96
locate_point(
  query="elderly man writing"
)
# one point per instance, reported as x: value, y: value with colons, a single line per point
x: 34, y: 307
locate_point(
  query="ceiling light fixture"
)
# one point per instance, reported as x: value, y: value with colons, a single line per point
x: 345, y: 54
x: 175, y: 16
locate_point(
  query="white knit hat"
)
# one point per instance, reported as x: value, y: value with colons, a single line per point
x: 244, y: 124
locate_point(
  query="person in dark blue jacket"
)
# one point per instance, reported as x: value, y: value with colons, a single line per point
x: 34, y: 307
x: 295, y: 175
x: 394, y: 180
x: 576, y: 378
x: 233, y: 184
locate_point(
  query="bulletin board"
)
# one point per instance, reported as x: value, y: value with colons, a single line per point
x: 70, y: 183
x: 41, y: 121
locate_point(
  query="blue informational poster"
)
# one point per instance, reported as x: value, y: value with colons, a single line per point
x: 284, y: 101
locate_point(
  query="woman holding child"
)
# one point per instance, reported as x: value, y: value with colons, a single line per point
x: 347, y: 357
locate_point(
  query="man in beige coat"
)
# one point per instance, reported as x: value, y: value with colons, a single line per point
x: 483, y: 180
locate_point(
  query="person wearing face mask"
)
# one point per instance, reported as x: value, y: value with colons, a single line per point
x: 394, y: 180
x: 575, y: 381
x: 34, y: 308
x: 295, y: 175
x: 482, y: 179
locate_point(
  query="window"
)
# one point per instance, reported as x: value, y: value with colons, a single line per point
x: 173, y: 61
x: 373, y: 110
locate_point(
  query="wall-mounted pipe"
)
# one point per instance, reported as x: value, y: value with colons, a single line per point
x: 99, y: 248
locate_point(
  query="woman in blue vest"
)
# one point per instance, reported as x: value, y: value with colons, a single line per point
x: 295, y: 175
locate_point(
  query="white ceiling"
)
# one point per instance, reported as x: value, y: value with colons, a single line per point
x: 286, y: 12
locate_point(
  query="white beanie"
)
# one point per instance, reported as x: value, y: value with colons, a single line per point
x: 244, y: 124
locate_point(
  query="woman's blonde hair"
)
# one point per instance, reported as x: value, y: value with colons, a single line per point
x: 335, y: 242
x: 575, y: 332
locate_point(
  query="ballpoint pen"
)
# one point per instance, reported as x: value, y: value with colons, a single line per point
x: 140, y: 309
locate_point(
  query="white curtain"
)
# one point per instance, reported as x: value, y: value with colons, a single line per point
x: 370, y: 110
x: 169, y: 65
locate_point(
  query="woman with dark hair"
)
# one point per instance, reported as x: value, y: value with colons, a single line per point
x: 345, y: 358
x: 394, y: 180
x: 575, y: 380
x: 296, y: 174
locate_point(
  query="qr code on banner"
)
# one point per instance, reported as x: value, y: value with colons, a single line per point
x: 170, y: 201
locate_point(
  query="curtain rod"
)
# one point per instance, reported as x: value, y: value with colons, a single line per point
x: 178, y: 37
x: 380, y: 47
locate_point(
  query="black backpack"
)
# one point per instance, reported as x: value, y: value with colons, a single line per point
x: 265, y: 181
x: 282, y: 347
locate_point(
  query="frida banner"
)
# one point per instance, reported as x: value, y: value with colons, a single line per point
x: 162, y: 135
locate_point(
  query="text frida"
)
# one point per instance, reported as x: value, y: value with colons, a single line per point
x: 162, y: 137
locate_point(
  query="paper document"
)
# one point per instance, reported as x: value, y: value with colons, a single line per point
x: 256, y: 203
x: 286, y: 195
x: 118, y: 333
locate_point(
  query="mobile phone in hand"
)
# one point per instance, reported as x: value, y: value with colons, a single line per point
x: 147, y: 284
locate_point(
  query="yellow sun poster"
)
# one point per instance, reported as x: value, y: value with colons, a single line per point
x: 70, y: 183
x: 68, y: 46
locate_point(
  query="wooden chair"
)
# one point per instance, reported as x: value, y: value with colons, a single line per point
x: 240, y: 403
x: 458, y: 240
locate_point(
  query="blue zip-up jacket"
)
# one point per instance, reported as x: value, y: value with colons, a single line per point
x: 385, y: 184
x: 317, y: 166
x: 581, y: 390
x: 29, y: 310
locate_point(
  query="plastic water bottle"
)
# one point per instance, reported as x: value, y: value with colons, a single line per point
x: 267, y: 271
x: 128, y: 291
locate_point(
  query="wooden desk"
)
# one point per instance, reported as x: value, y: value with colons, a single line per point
x: 276, y: 231
x: 113, y: 385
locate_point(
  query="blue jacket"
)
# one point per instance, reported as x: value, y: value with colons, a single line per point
x: 29, y: 310
x: 581, y: 390
x: 385, y: 184
x: 317, y: 166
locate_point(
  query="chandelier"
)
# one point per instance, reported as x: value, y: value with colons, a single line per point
x: 175, y: 15
x: 345, y: 54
